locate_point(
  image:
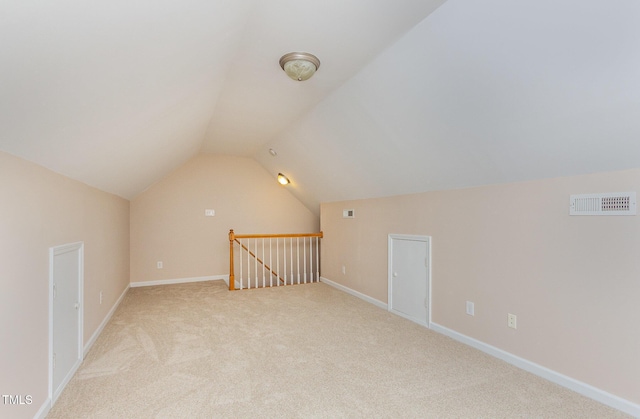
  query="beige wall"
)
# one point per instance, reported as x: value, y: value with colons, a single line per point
x: 168, y: 222
x: 573, y: 282
x: 40, y: 209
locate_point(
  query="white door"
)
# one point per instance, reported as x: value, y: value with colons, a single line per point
x: 66, y: 265
x: 409, y: 277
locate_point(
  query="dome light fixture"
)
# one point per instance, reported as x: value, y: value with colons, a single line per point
x: 299, y: 66
x: 283, y: 179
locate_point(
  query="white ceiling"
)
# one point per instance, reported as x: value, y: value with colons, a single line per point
x: 117, y: 94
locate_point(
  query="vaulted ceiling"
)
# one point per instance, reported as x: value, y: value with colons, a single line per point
x: 411, y: 95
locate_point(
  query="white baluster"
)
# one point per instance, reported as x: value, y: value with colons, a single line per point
x: 240, y: 259
x: 318, y: 259
x: 304, y: 248
x: 248, y: 264
x: 270, y: 264
x: 255, y: 262
x: 285, y: 269
x: 298, y: 257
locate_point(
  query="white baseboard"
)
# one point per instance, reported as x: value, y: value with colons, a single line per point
x: 553, y: 376
x: 95, y: 335
x: 224, y: 278
x: 44, y: 410
x: 354, y: 293
x: 48, y: 404
x: 579, y: 387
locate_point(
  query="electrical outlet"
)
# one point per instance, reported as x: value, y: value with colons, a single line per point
x: 344, y: 270
x: 470, y: 308
x: 512, y: 321
x: 159, y: 265
x: 100, y: 297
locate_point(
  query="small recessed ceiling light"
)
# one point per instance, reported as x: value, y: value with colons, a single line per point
x: 283, y: 179
x: 272, y: 152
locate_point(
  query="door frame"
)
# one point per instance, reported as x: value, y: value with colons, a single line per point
x: 54, y: 251
x: 427, y: 240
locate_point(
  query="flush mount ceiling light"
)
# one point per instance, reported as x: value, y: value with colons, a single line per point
x: 299, y: 66
x: 283, y: 179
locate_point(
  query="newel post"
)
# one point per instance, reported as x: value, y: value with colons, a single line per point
x: 232, y: 285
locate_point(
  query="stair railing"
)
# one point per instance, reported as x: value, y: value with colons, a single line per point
x: 267, y: 259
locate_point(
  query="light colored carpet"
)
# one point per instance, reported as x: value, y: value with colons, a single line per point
x: 305, y: 351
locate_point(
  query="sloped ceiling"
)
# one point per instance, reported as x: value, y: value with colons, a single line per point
x: 478, y: 93
x: 411, y: 95
x: 118, y: 93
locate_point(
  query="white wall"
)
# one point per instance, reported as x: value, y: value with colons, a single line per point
x: 40, y: 209
x: 573, y: 282
x: 168, y: 222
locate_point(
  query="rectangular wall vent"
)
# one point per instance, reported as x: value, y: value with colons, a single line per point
x: 618, y: 203
x: 348, y: 213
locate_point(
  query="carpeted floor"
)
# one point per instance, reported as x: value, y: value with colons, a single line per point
x: 305, y: 351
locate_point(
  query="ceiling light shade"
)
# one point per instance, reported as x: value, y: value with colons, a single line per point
x: 283, y: 179
x: 299, y: 66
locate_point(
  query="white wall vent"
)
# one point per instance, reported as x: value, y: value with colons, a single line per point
x: 619, y: 203
x: 348, y: 213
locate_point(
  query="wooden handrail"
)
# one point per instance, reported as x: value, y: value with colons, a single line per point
x: 271, y: 236
x: 234, y: 238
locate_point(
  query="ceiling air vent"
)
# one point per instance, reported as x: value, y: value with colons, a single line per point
x: 619, y: 203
